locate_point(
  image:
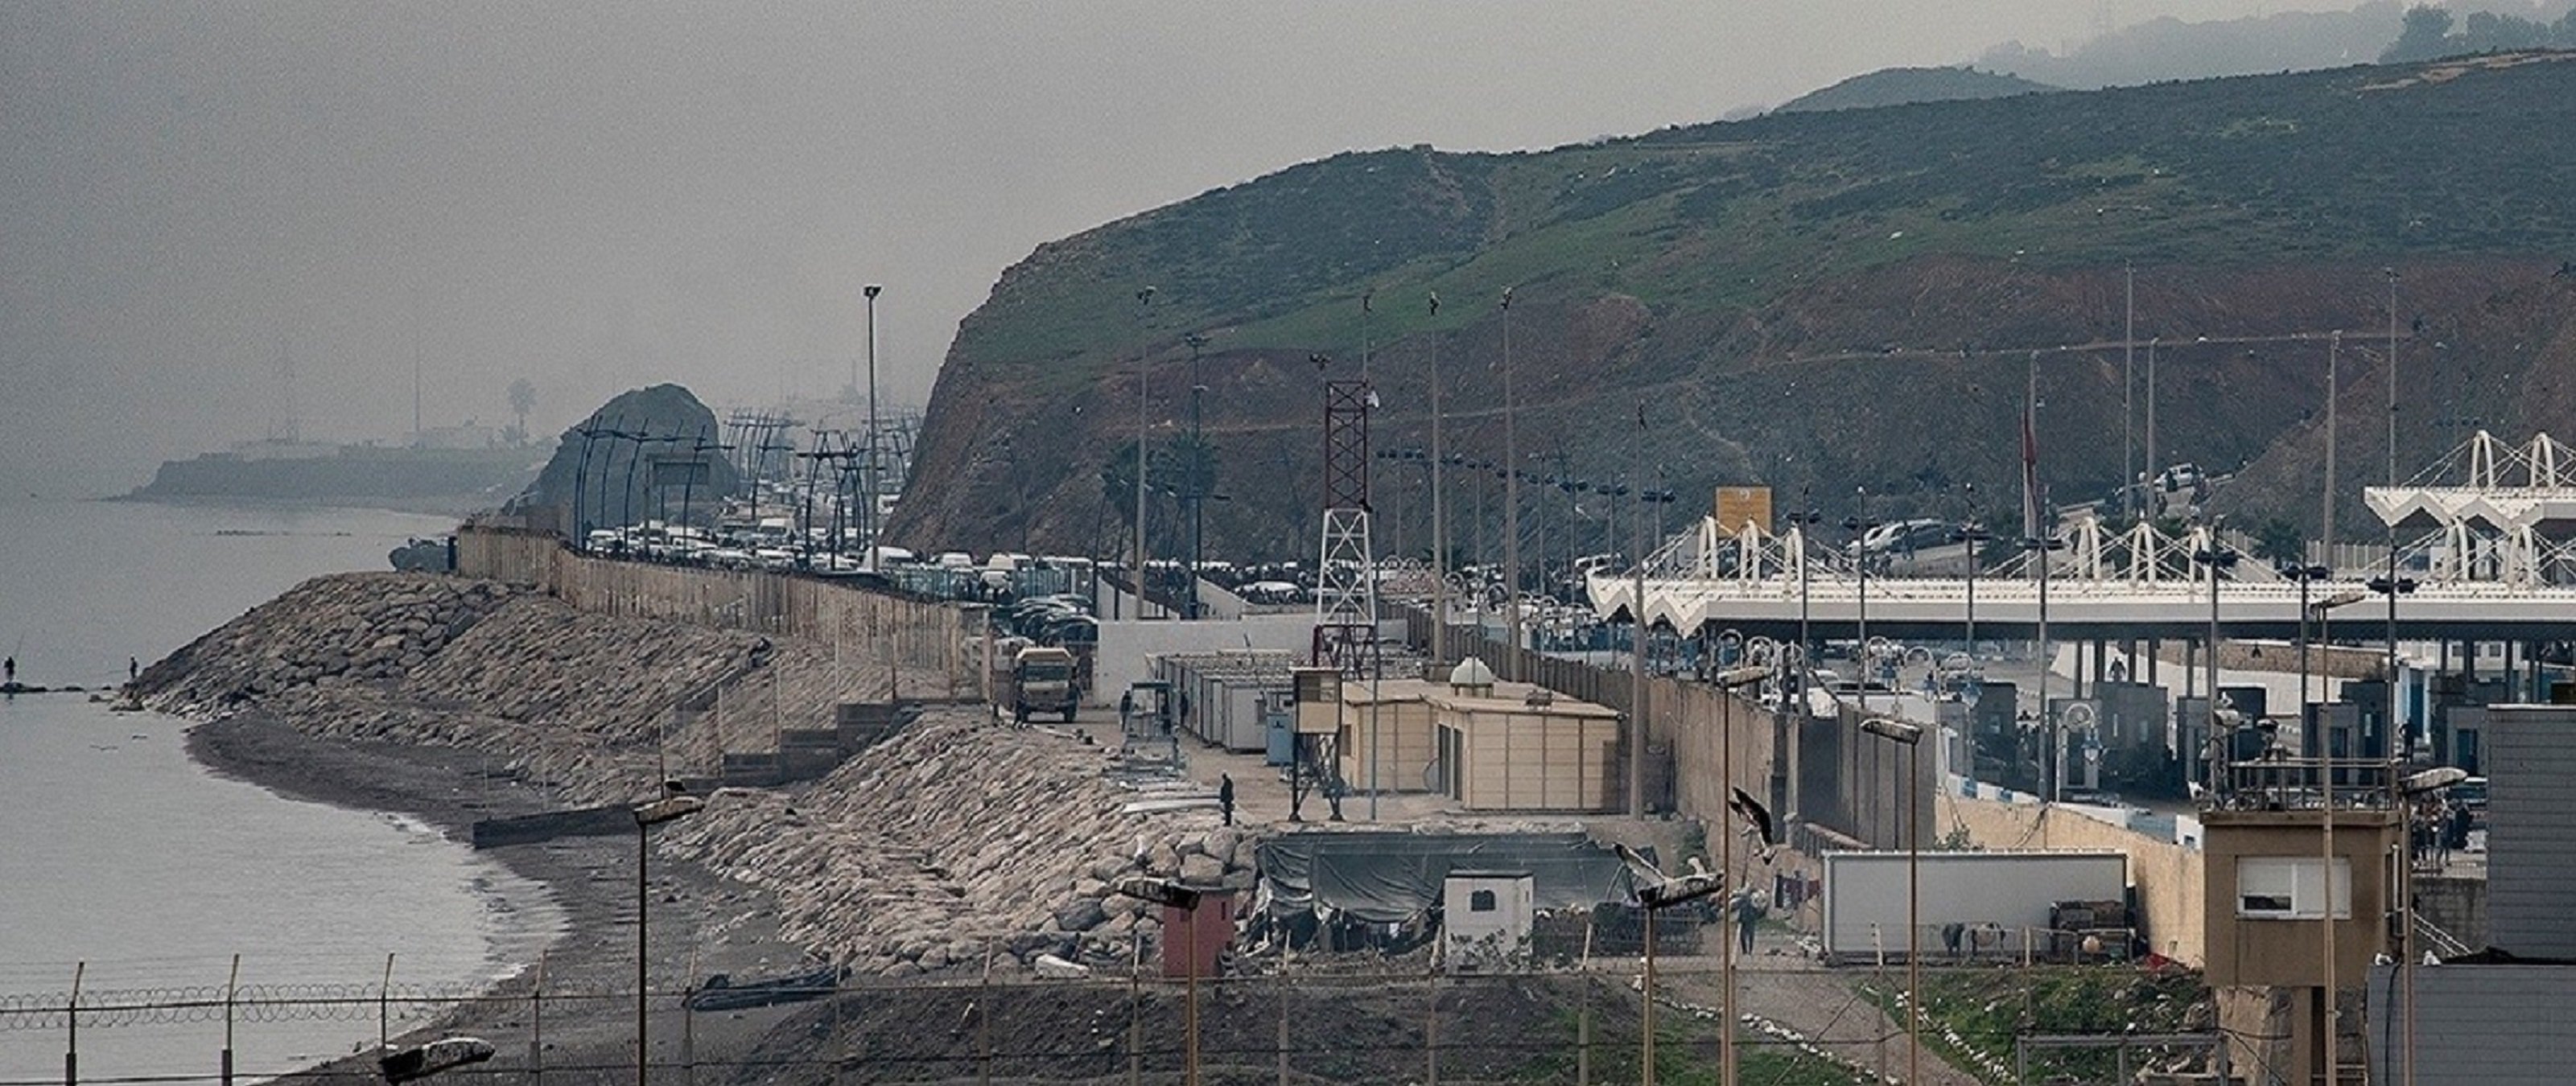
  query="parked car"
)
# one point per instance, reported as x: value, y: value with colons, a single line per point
x: 2180, y: 477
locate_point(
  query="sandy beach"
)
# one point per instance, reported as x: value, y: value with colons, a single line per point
x: 587, y: 1017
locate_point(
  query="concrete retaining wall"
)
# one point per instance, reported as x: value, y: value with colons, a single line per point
x: 861, y: 625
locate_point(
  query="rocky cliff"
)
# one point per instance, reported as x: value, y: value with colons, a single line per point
x: 1846, y: 305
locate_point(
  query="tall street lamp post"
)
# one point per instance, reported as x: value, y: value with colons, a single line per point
x: 2326, y: 771
x: 1660, y: 892
x: 1974, y: 536
x: 1860, y: 527
x: 1726, y: 683
x: 1802, y: 522
x: 1170, y: 894
x: 1910, y: 736
x: 2304, y: 575
x: 672, y: 805
x: 868, y: 481
x: 2410, y: 789
x: 2216, y: 556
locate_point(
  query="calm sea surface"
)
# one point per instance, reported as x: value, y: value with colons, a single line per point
x: 117, y: 851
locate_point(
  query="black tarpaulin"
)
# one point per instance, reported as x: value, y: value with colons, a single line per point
x: 1389, y: 878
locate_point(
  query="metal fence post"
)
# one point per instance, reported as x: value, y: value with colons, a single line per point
x: 1431, y: 1026
x: 71, y: 1029
x: 984, y: 1020
x: 232, y: 991
x: 537, y: 1025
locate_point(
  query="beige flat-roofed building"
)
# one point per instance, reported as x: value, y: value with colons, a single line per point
x: 1515, y: 747
x: 1387, y: 741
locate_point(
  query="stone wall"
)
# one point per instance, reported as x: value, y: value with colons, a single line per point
x: 2167, y: 875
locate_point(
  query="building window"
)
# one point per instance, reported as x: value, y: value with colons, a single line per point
x: 1480, y: 901
x: 2290, y: 888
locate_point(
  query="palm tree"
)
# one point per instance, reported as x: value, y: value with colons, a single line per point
x: 523, y: 395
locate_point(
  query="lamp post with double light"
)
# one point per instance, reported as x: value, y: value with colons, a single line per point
x: 2214, y: 556
x: 1910, y: 736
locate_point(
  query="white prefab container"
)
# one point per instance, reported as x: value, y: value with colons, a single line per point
x: 1990, y: 894
x: 1487, y: 917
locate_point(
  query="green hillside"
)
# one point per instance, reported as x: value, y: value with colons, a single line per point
x: 1906, y: 86
x: 1756, y: 281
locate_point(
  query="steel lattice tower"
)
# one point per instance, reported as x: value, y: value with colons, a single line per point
x: 1346, y: 575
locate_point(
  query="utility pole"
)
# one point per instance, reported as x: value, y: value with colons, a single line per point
x: 1439, y: 521
x: 2128, y: 390
x: 1144, y: 300
x: 1193, y: 480
x: 2334, y: 350
x: 1511, y: 504
x: 1637, y: 658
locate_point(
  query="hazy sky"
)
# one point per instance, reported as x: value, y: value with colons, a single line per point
x: 598, y: 196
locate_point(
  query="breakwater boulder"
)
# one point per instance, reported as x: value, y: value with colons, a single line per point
x: 957, y: 838
x: 950, y: 839
x: 344, y: 629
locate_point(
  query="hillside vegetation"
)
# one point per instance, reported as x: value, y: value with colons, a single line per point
x: 1905, y: 86
x: 1848, y: 304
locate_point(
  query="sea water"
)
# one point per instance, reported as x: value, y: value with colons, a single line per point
x: 122, y: 859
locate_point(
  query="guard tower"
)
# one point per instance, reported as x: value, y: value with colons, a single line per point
x: 2298, y: 861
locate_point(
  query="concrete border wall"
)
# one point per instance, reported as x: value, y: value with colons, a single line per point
x: 2167, y: 876
x: 883, y: 629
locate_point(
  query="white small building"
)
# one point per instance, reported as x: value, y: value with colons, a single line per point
x: 1486, y: 920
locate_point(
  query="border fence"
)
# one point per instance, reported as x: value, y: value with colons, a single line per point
x: 1312, y: 1023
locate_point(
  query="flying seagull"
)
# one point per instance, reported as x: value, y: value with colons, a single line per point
x: 1644, y: 867
x: 1757, y: 821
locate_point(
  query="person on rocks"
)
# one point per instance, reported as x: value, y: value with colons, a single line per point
x: 1225, y: 796
x: 133, y: 669
x: 11, y: 674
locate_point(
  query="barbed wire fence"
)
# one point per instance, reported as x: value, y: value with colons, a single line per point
x: 1577, y: 1027
x: 1339, y: 1019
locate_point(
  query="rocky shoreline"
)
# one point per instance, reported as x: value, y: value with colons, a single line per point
x: 955, y: 845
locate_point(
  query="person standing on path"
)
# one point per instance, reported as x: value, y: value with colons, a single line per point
x: 1748, y: 911
x: 1225, y: 796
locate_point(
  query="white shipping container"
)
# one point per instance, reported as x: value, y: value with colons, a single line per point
x: 1865, y: 895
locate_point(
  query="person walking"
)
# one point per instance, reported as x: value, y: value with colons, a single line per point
x: 1748, y: 911
x: 1225, y: 796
